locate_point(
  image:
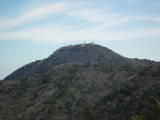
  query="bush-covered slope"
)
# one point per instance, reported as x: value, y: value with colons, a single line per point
x: 88, y: 91
x: 82, y: 82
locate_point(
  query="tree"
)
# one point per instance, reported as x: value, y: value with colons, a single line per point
x: 137, y: 117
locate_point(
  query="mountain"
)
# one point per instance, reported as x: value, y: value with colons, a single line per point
x: 82, y: 82
x: 82, y: 53
x: 70, y: 54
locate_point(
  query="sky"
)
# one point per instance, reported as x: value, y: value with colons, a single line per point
x: 33, y: 29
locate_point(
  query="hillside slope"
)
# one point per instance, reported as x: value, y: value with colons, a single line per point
x: 110, y: 88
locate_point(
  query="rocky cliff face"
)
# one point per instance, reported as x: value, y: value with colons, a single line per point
x: 82, y: 82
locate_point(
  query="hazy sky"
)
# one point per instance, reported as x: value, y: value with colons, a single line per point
x: 33, y: 29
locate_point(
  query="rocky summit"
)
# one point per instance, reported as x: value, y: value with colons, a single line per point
x: 82, y: 82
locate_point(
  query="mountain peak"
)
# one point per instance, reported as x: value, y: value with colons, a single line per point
x: 80, y: 53
x: 77, y: 47
x: 85, y: 53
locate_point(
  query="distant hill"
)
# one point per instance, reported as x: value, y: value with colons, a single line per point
x: 76, y: 54
x: 82, y: 82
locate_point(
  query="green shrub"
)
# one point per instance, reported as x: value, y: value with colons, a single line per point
x: 137, y: 117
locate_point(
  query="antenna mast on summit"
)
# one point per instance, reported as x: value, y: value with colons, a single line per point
x: 83, y: 41
x: 83, y: 44
x: 92, y: 41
